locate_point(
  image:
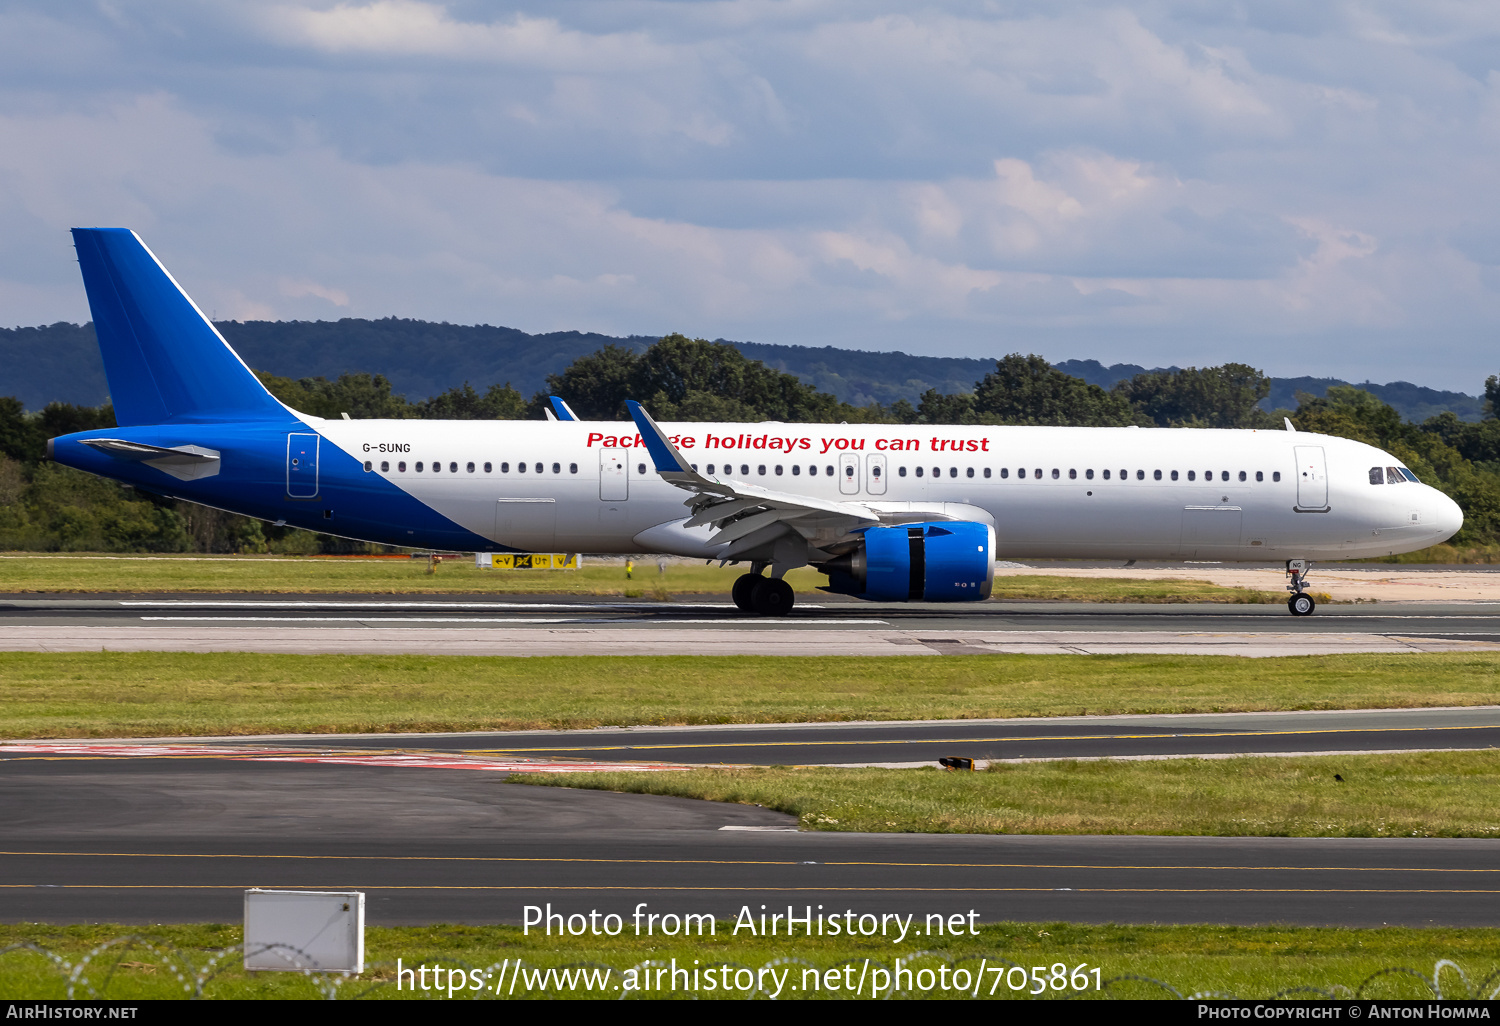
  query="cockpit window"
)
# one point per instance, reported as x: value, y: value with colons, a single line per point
x: 1393, y: 476
x: 1413, y: 478
x: 1377, y: 475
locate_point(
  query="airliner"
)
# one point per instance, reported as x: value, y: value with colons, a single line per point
x: 889, y: 512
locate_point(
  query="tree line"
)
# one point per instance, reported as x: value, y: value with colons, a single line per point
x: 44, y: 506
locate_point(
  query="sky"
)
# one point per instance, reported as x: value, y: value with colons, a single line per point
x: 1307, y: 188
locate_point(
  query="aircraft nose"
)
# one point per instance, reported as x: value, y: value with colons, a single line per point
x: 1448, y: 518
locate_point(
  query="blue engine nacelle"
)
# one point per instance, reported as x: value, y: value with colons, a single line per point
x: 947, y: 561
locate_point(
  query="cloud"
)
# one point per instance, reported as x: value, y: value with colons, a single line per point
x: 1306, y: 189
x: 413, y: 28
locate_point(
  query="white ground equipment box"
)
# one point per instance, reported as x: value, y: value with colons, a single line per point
x: 296, y: 931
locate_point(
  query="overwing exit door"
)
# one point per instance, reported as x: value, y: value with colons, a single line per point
x: 849, y: 473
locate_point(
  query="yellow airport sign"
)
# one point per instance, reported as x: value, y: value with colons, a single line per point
x: 527, y: 560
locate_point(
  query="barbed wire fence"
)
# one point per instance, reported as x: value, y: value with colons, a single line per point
x: 191, y: 976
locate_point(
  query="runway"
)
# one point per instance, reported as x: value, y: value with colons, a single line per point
x: 553, y: 626
x: 886, y: 743
x: 152, y: 840
x: 139, y: 831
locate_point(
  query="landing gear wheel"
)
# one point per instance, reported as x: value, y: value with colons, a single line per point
x: 743, y: 586
x: 1301, y: 604
x: 771, y: 597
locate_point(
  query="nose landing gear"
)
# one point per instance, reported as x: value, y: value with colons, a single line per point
x: 1301, y: 603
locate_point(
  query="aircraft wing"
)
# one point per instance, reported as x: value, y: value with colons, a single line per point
x: 745, y: 516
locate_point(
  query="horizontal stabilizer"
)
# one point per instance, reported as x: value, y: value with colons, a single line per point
x: 184, y: 462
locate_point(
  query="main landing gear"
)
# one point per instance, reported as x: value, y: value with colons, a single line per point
x: 1301, y: 603
x: 764, y: 596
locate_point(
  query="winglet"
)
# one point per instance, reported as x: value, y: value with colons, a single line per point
x: 563, y: 410
x: 1288, y: 422
x: 663, y: 453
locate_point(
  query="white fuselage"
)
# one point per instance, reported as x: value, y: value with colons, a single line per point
x: 1111, y: 493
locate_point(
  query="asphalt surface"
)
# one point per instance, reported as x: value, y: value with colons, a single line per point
x: 118, y: 835
x: 889, y: 743
x: 556, y: 625
x: 154, y: 840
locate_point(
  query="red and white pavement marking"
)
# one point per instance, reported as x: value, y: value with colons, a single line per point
x: 335, y: 757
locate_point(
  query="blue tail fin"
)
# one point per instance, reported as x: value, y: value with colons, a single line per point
x: 163, y: 358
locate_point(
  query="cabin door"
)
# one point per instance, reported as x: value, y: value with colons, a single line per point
x: 302, y: 465
x: 875, y: 474
x: 614, y: 475
x: 1312, y: 478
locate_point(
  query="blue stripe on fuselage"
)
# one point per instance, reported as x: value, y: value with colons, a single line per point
x: 252, y: 481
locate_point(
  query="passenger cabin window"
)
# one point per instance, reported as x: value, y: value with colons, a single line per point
x: 369, y: 466
x: 1174, y: 475
x: 471, y: 468
x: 1260, y: 475
x: 385, y: 466
x: 986, y: 471
x: 1275, y: 475
x: 1106, y: 475
x: 401, y: 467
x: 828, y: 471
x: 573, y: 468
x: 419, y: 466
x: 1140, y: 475
x: 520, y: 468
x: 453, y: 468
x: 538, y: 468
x: 796, y: 469
x: 489, y: 468
x: 971, y: 472
x: 505, y: 468
x: 1005, y: 472
x: 919, y: 471
x: 1156, y: 474
x: 900, y: 471
x: 640, y: 468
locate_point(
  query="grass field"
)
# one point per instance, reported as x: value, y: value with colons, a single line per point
x: 109, y: 694
x: 1424, y: 794
x: 1249, y: 962
x: 312, y: 575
